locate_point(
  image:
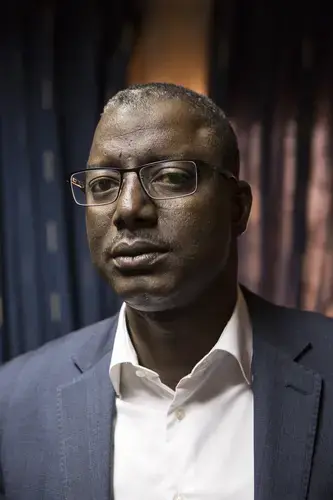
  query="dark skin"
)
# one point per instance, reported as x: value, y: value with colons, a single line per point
x: 176, y: 310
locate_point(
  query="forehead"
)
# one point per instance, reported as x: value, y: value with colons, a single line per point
x: 162, y: 129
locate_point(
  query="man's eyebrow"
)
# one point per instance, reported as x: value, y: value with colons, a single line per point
x: 146, y: 158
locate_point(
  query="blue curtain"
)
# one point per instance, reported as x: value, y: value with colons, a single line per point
x: 271, y: 70
x: 59, y: 63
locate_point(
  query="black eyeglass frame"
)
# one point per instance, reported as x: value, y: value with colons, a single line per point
x: 197, y: 163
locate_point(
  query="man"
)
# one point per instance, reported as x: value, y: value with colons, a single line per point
x: 198, y: 389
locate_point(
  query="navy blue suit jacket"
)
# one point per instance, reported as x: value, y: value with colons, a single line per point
x: 57, y: 406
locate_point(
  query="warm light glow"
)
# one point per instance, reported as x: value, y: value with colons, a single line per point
x: 174, y: 44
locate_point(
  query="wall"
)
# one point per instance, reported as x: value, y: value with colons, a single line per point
x: 173, y: 46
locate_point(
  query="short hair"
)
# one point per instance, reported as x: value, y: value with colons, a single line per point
x: 212, y: 115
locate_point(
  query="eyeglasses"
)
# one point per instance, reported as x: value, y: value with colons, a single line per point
x: 161, y: 180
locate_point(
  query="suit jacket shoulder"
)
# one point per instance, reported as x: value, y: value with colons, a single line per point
x: 30, y: 408
x: 52, y: 364
x: 294, y: 331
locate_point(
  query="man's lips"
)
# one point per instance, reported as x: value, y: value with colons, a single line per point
x: 137, y: 255
x: 136, y: 248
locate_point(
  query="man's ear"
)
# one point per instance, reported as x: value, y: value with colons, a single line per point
x: 242, y: 207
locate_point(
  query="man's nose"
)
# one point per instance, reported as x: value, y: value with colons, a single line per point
x: 134, y: 208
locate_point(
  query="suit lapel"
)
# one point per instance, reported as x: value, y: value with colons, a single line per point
x: 286, y: 407
x: 85, y: 409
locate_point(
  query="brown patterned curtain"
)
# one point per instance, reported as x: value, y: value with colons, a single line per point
x: 272, y: 71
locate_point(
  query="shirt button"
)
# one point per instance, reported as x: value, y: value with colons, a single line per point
x: 140, y: 374
x: 180, y: 414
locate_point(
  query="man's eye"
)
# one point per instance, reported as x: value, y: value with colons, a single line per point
x: 103, y: 185
x: 175, y: 177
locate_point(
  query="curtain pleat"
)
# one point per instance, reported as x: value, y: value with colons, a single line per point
x: 276, y: 86
x: 59, y: 63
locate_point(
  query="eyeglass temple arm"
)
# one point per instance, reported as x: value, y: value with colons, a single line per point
x: 79, y: 184
x: 227, y: 174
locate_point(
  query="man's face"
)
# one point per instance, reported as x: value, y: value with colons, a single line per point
x: 192, y: 235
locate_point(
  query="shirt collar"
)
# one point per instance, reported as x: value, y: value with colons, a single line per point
x: 123, y: 350
x: 236, y: 339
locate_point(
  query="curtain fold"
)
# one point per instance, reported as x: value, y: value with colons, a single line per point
x: 59, y: 63
x: 274, y: 79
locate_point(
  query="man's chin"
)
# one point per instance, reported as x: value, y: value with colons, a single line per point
x: 145, y: 293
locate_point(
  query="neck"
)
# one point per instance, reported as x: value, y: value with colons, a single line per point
x: 172, y: 342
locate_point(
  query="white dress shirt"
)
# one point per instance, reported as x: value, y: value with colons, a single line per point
x: 191, y: 443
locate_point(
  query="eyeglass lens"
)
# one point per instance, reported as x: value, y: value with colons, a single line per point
x: 162, y: 180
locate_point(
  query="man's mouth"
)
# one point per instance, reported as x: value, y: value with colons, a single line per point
x: 137, y: 255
